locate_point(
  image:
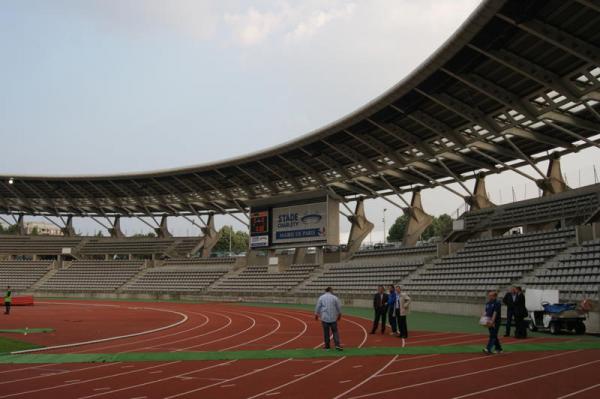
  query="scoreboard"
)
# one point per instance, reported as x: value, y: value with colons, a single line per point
x: 292, y: 222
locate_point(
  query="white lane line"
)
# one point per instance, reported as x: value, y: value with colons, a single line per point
x: 406, y: 359
x: 162, y: 337
x: 435, y: 365
x: 67, y: 381
x: 295, y: 379
x: 345, y: 381
x: 454, y: 377
x: 85, y: 381
x: 183, y: 319
x: 213, y: 331
x: 64, y: 372
x: 227, y: 386
x: 102, y: 389
x: 528, y: 379
x: 569, y: 395
x: 278, y: 326
x: 181, y: 376
x: 228, y: 380
x: 315, y: 371
x: 184, y: 376
x: 273, y: 394
x: 369, y: 378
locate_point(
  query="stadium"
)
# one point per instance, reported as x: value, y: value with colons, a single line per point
x: 516, y: 89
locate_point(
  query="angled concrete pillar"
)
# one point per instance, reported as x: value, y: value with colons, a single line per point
x: 418, y: 221
x: 210, y: 238
x: 479, y: 199
x: 21, y: 230
x: 554, y: 182
x: 116, y: 231
x: 163, y: 231
x: 359, y: 229
x: 68, y: 230
x: 299, y: 256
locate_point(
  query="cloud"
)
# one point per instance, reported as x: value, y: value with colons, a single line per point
x: 252, y: 27
x: 308, y: 27
x: 284, y: 22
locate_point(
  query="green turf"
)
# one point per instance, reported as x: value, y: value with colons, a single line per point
x: 8, y: 345
x: 282, y: 354
x: 27, y: 330
x: 417, y: 321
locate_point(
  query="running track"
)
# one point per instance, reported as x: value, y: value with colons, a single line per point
x: 168, y: 327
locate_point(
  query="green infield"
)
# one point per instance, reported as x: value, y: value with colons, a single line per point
x: 8, y: 345
x: 26, y: 330
x: 37, y: 358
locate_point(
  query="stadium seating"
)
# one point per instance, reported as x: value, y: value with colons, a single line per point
x: 576, y: 273
x: 134, y: 246
x: 22, y: 275
x: 92, y: 276
x: 485, y: 264
x: 573, y: 206
x: 258, y: 279
x: 362, y: 275
x: 38, y: 245
x: 171, y: 279
x: 398, y: 251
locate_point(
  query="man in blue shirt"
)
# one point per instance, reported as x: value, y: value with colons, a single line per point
x: 492, y: 312
x: 391, y: 305
x: 329, y: 310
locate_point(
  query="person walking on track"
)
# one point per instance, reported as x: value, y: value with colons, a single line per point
x: 7, y: 300
x: 329, y: 310
x: 493, y: 308
x: 380, y: 300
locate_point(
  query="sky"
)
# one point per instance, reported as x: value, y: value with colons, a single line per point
x: 113, y: 86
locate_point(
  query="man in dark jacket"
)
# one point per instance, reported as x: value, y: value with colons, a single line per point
x: 509, y: 302
x: 380, y: 300
x: 520, y: 313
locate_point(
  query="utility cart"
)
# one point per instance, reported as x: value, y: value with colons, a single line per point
x: 546, y: 313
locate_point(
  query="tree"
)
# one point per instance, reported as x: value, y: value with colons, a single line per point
x: 239, y: 240
x: 396, y: 232
x: 440, y: 227
x: 149, y: 235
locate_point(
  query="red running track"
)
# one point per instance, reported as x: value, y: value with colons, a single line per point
x: 219, y: 327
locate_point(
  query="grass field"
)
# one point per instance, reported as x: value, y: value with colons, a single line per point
x: 9, y: 345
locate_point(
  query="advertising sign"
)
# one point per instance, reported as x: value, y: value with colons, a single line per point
x: 300, y: 223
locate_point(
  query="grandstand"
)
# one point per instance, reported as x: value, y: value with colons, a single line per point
x: 91, y: 276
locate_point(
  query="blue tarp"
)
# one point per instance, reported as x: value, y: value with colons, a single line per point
x: 559, y: 307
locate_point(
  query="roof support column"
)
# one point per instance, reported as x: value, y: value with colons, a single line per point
x: 20, y: 223
x: 359, y: 230
x: 418, y: 221
x: 554, y: 182
x: 162, y: 231
x: 479, y: 199
x: 68, y: 230
x: 210, y: 237
x: 115, y: 231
